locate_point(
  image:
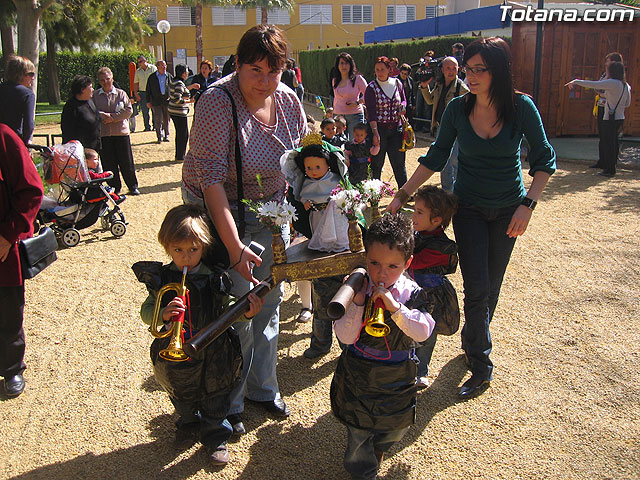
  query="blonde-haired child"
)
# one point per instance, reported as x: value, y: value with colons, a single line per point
x: 200, y: 388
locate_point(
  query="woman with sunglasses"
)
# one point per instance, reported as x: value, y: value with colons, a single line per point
x: 16, y: 97
x: 494, y: 208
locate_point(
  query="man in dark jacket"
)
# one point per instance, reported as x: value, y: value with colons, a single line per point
x: 409, y: 90
x: 158, y: 99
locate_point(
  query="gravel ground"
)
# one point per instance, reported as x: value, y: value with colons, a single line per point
x: 563, y: 404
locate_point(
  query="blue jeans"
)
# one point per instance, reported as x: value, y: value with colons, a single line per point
x: 450, y: 171
x: 390, y: 143
x: 424, y: 353
x: 352, y: 120
x: 484, y: 250
x: 144, y: 109
x: 322, y: 328
x: 258, y: 336
x: 360, y: 457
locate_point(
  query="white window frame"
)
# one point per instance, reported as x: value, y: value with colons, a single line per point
x: 350, y: 14
x: 403, y: 13
x: 180, y: 16
x: 316, y: 14
x: 275, y: 16
x: 228, y: 16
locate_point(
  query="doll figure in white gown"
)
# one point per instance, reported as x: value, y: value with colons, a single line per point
x: 313, y: 172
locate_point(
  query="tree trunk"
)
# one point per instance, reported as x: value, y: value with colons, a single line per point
x: 53, y: 86
x: 28, y: 29
x: 6, y: 35
x: 264, y: 19
x: 199, y: 49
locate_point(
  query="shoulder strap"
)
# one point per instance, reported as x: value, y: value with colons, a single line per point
x: 239, y: 184
x: 458, y: 81
x: 624, y: 89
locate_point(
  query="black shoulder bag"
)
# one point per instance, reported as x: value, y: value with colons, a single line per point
x: 38, y: 252
x: 219, y: 256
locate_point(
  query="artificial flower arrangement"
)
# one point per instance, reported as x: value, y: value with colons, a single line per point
x: 349, y: 201
x: 373, y: 190
x: 272, y: 214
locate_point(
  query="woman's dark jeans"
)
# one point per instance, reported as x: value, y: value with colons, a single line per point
x: 182, y: 135
x: 390, y: 143
x: 484, y: 250
x: 611, y: 147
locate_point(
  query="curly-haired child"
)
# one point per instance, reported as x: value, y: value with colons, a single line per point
x: 373, y: 391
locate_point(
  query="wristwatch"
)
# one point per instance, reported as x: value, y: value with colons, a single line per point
x: 530, y: 204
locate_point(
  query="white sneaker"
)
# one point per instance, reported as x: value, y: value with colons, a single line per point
x: 422, y: 382
x: 305, y: 316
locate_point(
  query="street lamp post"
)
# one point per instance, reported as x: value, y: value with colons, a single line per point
x: 164, y: 27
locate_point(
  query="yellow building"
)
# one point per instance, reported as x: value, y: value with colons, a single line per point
x: 310, y: 25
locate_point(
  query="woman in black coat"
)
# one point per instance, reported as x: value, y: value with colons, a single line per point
x: 80, y: 118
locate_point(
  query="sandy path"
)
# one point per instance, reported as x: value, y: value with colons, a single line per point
x: 563, y: 405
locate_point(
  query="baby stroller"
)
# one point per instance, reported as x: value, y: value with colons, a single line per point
x: 76, y: 201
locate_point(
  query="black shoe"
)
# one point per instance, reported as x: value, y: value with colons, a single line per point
x: 472, y: 387
x: 312, y: 353
x: 606, y: 174
x: 276, y: 407
x: 147, y: 129
x: 595, y: 165
x: 159, y: 140
x: 165, y: 139
x: 135, y: 191
x: 236, y: 424
x: 14, y: 386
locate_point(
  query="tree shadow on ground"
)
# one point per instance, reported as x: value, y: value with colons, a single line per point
x: 152, y: 142
x: 163, y: 163
x: 161, y: 187
x: 143, y: 461
x: 572, y: 178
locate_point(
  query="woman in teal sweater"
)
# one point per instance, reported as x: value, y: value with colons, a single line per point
x: 493, y: 207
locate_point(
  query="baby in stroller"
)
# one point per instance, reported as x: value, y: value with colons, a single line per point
x: 80, y: 195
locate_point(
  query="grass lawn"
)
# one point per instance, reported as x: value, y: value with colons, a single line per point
x: 51, y: 113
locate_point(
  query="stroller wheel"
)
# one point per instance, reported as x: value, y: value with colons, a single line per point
x: 118, y: 228
x: 70, y: 237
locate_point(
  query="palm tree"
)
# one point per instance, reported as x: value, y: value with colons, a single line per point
x: 266, y: 5
x: 198, y: 4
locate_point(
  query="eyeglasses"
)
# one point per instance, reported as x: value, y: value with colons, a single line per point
x: 474, y: 70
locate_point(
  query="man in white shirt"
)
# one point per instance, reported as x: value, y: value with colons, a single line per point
x: 143, y: 72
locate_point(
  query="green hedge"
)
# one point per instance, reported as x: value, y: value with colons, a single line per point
x: 71, y: 64
x: 316, y: 64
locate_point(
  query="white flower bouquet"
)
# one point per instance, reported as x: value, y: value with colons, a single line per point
x: 273, y: 214
x: 373, y: 190
x: 349, y: 201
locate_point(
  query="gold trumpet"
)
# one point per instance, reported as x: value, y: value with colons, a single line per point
x: 174, y: 352
x: 375, y: 325
x: 408, y: 135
